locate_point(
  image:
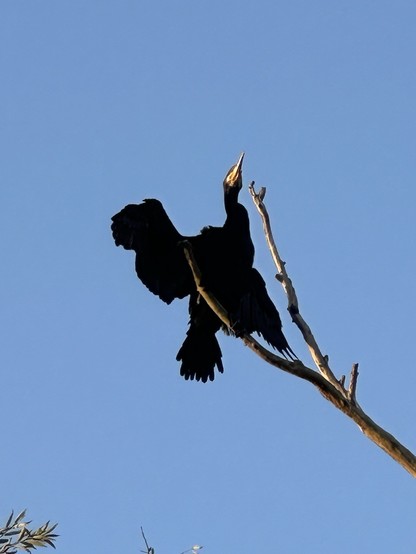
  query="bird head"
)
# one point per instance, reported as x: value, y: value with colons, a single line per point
x: 234, y: 177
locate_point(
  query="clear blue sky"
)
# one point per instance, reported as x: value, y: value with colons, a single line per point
x: 106, y: 102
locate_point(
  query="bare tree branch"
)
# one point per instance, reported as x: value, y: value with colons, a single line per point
x: 324, y: 379
x: 353, y: 383
x: 320, y: 360
x: 149, y: 549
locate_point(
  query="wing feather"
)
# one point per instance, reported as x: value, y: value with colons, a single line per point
x: 160, y: 261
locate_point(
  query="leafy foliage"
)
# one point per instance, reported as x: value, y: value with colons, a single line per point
x: 16, y: 535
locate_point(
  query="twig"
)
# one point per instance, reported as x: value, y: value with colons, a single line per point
x: 353, y: 384
x: 320, y: 360
x: 149, y: 549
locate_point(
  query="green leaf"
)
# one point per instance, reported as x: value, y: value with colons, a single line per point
x: 20, y: 517
x: 12, y: 532
x: 10, y: 519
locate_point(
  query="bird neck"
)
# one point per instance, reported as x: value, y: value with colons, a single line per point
x: 237, y: 221
x: 231, y: 199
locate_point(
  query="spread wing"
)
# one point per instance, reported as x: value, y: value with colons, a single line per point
x: 160, y: 261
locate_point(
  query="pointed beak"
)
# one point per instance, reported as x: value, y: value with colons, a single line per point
x: 239, y: 164
x: 234, y: 177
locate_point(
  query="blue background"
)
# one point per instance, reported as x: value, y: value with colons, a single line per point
x: 103, y: 103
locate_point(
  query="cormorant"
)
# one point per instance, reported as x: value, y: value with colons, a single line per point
x: 225, y: 257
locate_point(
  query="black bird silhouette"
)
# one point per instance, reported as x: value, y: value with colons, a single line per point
x: 225, y: 257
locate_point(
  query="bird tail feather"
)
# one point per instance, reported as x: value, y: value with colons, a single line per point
x: 199, y: 354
